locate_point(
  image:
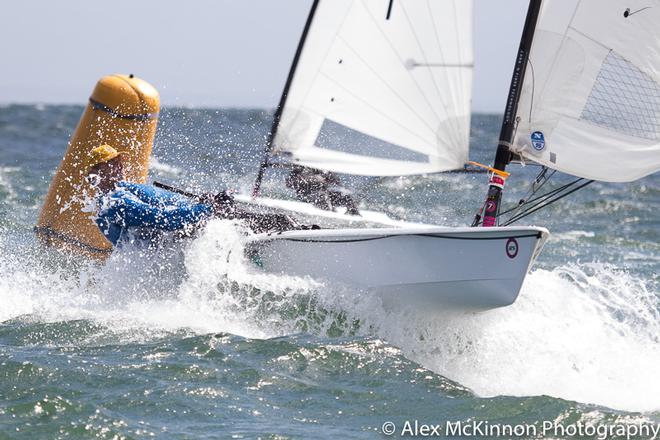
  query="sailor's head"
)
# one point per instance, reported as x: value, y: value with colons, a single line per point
x: 105, y: 166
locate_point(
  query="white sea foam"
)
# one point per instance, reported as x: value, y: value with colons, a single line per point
x: 201, y: 285
x: 580, y: 332
x: 587, y: 333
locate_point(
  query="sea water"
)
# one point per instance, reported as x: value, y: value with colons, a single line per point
x: 191, y: 341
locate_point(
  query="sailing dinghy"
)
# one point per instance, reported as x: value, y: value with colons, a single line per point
x: 584, y: 100
x: 384, y: 89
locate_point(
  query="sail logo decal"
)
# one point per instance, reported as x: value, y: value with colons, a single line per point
x: 512, y: 248
x: 538, y: 140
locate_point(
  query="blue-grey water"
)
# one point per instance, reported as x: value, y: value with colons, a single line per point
x: 192, y: 343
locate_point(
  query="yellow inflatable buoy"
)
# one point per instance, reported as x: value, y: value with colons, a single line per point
x: 122, y: 112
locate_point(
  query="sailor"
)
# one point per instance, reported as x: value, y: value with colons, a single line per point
x: 323, y: 189
x: 123, y: 206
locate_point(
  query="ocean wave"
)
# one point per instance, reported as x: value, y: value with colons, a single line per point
x: 583, y: 332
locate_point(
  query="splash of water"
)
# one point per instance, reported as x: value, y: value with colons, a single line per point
x: 202, y: 285
x: 587, y: 333
x: 584, y: 332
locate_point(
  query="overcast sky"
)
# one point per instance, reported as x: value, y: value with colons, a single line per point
x: 203, y: 53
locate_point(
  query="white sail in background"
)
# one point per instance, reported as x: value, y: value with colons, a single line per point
x: 590, y: 104
x: 382, y: 87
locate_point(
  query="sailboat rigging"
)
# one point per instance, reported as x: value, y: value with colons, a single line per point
x: 503, y: 156
x: 265, y: 162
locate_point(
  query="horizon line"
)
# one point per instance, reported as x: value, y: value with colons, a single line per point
x: 5, y: 104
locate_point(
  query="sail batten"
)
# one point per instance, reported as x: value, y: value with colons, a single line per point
x: 590, y: 106
x: 400, y: 84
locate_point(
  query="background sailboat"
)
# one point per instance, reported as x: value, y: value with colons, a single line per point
x: 377, y: 88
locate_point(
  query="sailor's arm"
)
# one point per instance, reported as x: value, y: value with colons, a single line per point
x: 129, y: 211
x: 152, y: 195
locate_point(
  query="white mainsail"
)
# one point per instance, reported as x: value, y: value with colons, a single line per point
x: 590, y: 103
x: 382, y: 87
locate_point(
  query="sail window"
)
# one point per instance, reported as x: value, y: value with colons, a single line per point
x: 624, y: 99
x: 338, y: 137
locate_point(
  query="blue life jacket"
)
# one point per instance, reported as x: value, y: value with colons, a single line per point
x: 134, y: 205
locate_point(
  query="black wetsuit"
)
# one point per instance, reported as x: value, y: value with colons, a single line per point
x: 313, y: 186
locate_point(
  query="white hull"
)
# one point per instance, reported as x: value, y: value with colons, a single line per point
x: 467, y: 268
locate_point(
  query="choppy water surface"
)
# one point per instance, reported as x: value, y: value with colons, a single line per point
x: 190, y: 342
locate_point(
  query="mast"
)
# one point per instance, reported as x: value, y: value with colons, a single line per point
x: 503, y: 155
x: 280, y: 107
